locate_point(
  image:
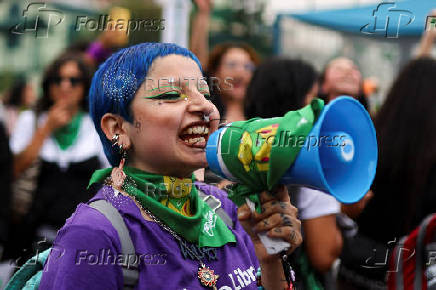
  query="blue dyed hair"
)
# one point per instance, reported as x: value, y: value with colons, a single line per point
x: 116, y: 81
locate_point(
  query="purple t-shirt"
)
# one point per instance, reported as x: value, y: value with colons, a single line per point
x: 85, y: 254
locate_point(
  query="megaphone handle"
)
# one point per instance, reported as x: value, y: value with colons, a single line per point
x: 272, y: 245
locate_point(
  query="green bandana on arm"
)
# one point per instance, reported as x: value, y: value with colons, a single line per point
x: 204, y: 227
x: 67, y: 135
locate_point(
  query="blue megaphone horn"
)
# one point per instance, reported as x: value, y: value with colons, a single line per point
x: 345, y: 169
x: 339, y: 155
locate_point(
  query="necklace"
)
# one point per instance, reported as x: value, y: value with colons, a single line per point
x: 206, y: 275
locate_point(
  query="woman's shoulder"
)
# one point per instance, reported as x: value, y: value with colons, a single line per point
x: 80, y: 248
x: 23, y: 131
x: 26, y: 119
x: 88, y: 221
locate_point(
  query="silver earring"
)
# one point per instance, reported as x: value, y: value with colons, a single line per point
x: 121, y: 150
x: 206, y: 118
x: 114, y: 139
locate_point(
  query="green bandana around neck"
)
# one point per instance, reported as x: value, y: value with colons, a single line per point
x: 204, y: 227
x: 67, y: 135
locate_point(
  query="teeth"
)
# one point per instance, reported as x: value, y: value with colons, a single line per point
x: 195, y: 140
x: 196, y: 130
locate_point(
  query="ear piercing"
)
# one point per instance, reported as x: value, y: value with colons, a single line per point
x: 117, y: 175
x: 122, y: 150
x: 114, y: 139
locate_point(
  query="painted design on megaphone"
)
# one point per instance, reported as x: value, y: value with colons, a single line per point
x: 261, y: 150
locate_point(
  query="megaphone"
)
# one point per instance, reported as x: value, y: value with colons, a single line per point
x: 337, y: 156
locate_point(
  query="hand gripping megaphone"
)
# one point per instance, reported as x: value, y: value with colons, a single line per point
x: 332, y: 148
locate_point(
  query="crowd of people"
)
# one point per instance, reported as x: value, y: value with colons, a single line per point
x: 85, y: 126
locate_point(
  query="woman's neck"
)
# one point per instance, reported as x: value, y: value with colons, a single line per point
x: 75, y: 110
x: 132, y: 162
x: 234, y: 111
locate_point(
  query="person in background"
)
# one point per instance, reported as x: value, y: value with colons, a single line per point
x: 278, y: 86
x: 111, y: 39
x: 405, y: 183
x: 341, y: 76
x: 427, y: 40
x: 5, y: 181
x: 229, y: 66
x: 20, y: 97
x: 59, y: 135
x: 228, y: 70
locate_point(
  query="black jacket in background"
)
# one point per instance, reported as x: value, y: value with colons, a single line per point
x: 5, y: 183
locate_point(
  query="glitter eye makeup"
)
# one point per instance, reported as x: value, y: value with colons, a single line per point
x: 175, y: 95
x: 169, y: 96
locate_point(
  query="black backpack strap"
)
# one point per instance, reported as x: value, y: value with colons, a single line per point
x: 130, y: 268
x: 215, y: 204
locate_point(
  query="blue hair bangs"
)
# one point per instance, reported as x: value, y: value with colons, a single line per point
x: 117, y: 80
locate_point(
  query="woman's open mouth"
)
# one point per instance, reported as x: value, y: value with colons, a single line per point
x: 196, y: 134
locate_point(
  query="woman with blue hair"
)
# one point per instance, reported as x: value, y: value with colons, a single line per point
x: 149, y: 106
